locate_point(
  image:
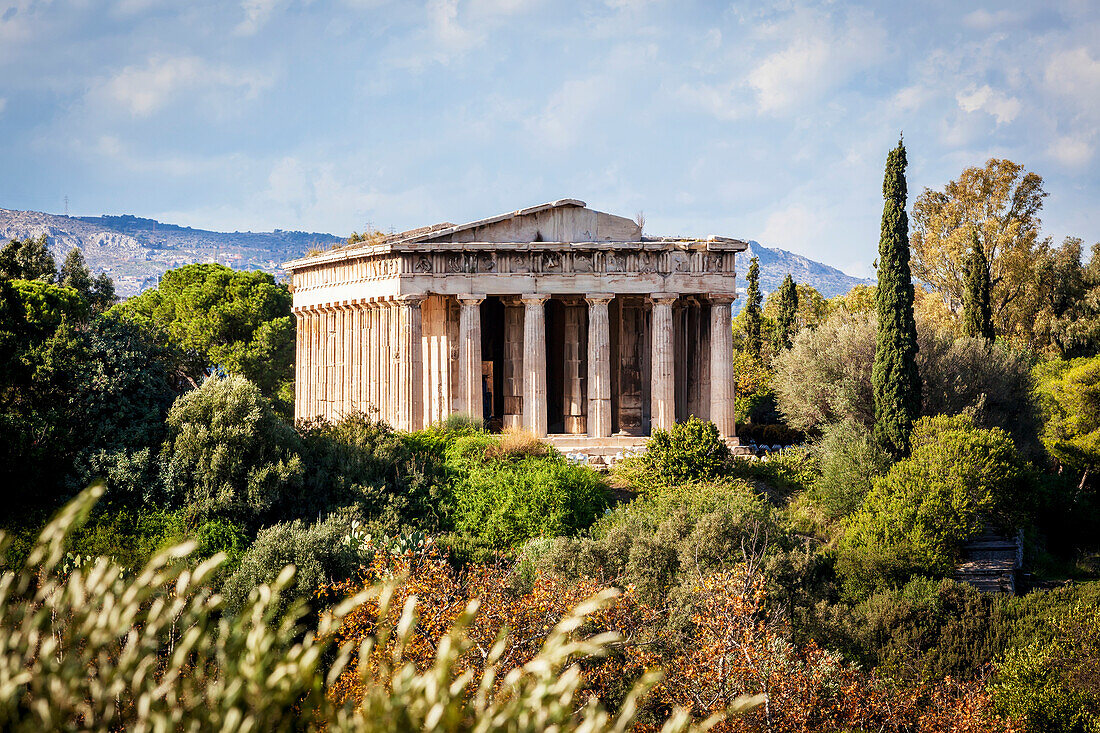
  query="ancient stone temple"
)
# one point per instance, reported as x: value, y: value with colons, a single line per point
x: 557, y: 318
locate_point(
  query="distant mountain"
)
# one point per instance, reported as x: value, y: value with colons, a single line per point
x: 136, y: 251
x: 776, y: 263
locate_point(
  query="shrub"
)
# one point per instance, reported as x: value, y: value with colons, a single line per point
x: 516, y: 444
x: 228, y: 453
x: 319, y: 553
x: 1052, y: 685
x: 504, y: 503
x: 849, y: 459
x: 915, y: 519
x: 396, y: 480
x: 826, y: 378
x: 688, y: 451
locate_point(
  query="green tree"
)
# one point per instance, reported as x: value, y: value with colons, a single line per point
x: 786, y: 320
x: 1069, y: 393
x: 228, y: 454
x: 977, y: 313
x: 956, y: 480
x: 754, y: 344
x: 28, y: 259
x: 98, y: 291
x: 894, y: 375
x: 238, y: 322
x: 1001, y: 202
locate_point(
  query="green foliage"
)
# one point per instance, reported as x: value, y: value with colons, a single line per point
x: 754, y: 344
x: 688, y: 451
x: 28, y: 259
x: 849, y: 459
x: 99, y: 292
x: 397, y: 480
x: 826, y: 378
x: 1069, y: 393
x: 786, y: 316
x: 503, y: 502
x: 228, y: 454
x: 916, y: 518
x: 84, y: 401
x: 897, y: 388
x: 318, y: 552
x: 236, y: 321
x: 1052, y: 684
x: 977, y: 310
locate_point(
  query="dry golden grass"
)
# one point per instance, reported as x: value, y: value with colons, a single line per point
x: 515, y: 443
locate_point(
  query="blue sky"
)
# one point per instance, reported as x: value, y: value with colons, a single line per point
x: 767, y: 121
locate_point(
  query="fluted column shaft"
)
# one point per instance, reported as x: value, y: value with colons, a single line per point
x: 299, y: 362
x: 599, y: 365
x: 534, y: 364
x: 410, y: 363
x: 663, y: 370
x: 721, y: 366
x: 469, y: 355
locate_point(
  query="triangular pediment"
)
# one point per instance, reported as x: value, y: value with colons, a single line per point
x: 566, y: 220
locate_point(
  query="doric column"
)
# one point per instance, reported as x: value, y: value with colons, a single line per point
x: 534, y: 363
x: 316, y: 370
x: 721, y: 366
x: 410, y: 363
x: 299, y: 361
x: 355, y: 400
x: 599, y: 365
x: 574, y: 397
x: 662, y: 363
x: 469, y: 355
x: 513, y: 363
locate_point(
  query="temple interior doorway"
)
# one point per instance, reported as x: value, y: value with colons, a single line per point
x: 492, y: 363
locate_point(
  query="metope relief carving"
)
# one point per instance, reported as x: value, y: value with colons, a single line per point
x: 454, y: 263
x: 583, y: 262
x: 520, y: 263
x: 551, y: 262
x: 616, y: 262
x: 487, y: 262
x: 423, y: 264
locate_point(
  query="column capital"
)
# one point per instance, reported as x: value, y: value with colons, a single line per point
x: 411, y: 298
x: 470, y: 298
x: 721, y: 298
x: 594, y: 298
x: 664, y: 298
x: 534, y: 298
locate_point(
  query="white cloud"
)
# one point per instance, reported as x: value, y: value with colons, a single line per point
x: 447, y: 31
x: 145, y: 89
x: 985, y: 99
x: 984, y: 20
x: 1075, y: 73
x: 822, y: 56
x: 563, y: 120
x: 256, y: 14
x: 1070, y: 151
x: 913, y: 97
x: 794, y: 228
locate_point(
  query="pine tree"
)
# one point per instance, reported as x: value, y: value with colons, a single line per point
x: 74, y: 272
x: 977, y: 310
x: 894, y: 375
x: 753, y: 342
x: 786, y: 317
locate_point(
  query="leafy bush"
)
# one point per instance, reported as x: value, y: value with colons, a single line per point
x: 849, y: 459
x: 957, y: 479
x: 228, y: 454
x: 826, y: 378
x: 318, y: 551
x: 396, y: 480
x: 504, y: 503
x: 688, y: 451
x: 1052, y: 684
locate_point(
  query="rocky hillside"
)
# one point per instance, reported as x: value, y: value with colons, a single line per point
x: 776, y: 263
x: 136, y: 251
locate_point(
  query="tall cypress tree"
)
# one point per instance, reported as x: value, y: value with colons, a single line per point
x: 785, y: 318
x: 977, y: 310
x: 753, y: 342
x: 894, y: 375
